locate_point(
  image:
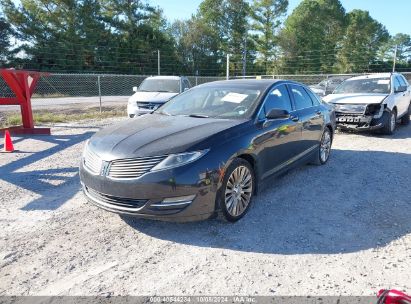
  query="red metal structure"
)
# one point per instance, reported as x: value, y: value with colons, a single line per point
x: 393, y: 297
x: 23, y: 84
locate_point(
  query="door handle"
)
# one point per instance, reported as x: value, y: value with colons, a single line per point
x: 318, y: 112
x: 294, y: 118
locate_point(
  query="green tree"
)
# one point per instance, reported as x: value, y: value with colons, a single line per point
x: 403, y: 44
x: 227, y: 21
x: 196, y: 47
x: 5, y: 33
x: 362, y: 40
x: 310, y: 36
x: 266, y: 16
x: 90, y: 35
x: 217, y: 29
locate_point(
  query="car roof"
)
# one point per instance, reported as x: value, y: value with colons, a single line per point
x: 165, y: 77
x: 261, y: 84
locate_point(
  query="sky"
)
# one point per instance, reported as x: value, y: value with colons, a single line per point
x: 394, y: 14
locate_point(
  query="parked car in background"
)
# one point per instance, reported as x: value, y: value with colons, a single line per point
x: 327, y: 86
x: 371, y: 102
x: 155, y: 91
x: 205, y: 150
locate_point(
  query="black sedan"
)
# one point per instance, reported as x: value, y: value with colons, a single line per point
x: 206, y: 150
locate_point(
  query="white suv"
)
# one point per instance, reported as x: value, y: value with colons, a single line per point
x: 370, y: 102
x: 153, y: 92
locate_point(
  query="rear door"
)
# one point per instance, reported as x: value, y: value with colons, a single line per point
x: 310, y: 116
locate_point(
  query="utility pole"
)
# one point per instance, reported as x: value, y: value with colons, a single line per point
x: 245, y: 57
x: 395, y: 58
x: 228, y: 67
x: 158, y: 61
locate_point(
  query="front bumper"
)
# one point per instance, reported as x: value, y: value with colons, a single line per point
x: 358, y: 122
x: 133, y: 110
x: 359, y: 117
x: 144, y: 197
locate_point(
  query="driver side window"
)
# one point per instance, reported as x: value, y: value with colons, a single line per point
x: 278, y: 98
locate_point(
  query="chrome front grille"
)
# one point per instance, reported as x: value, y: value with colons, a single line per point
x: 133, y: 167
x: 120, y: 203
x: 92, y: 161
x: 148, y: 105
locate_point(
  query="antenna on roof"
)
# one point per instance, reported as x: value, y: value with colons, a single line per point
x: 395, y: 58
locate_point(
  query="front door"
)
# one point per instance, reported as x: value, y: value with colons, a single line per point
x: 279, y: 140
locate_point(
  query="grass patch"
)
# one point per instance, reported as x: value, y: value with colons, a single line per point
x: 42, y: 117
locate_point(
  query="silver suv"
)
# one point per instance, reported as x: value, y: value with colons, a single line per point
x: 155, y: 91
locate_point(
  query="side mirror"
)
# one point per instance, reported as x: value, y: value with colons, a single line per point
x: 135, y: 89
x: 277, y: 114
x: 401, y: 89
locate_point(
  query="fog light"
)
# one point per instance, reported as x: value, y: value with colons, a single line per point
x: 175, y: 201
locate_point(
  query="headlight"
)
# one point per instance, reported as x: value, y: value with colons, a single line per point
x: 176, y: 160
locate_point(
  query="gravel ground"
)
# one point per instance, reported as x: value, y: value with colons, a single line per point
x: 339, y: 229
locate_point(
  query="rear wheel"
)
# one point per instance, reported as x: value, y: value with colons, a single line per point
x: 324, y: 149
x: 389, y: 120
x: 237, y: 190
x: 405, y: 120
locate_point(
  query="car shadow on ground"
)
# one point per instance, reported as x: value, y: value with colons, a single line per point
x: 52, y: 187
x: 360, y: 200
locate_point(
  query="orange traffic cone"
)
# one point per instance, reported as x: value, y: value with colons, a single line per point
x: 8, y: 144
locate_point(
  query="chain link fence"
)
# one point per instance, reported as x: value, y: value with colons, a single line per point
x: 101, y: 89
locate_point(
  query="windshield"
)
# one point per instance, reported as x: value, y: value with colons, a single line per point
x: 322, y: 83
x: 160, y: 85
x: 366, y: 85
x: 217, y: 102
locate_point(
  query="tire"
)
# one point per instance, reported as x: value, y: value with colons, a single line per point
x: 389, y: 119
x: 237, y: 190
x: 324, y: 150
x: 405, y: 120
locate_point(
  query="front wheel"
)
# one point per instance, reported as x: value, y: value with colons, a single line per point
x: 405, y: 120
x: 237, y: 190
x: 390, y: 122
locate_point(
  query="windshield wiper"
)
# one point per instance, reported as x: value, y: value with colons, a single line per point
x: 198, y: 116
x: 165, y: 91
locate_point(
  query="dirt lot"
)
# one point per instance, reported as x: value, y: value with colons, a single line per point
x: 339, y: 229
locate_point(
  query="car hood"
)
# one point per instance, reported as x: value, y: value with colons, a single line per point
x: 155, y: 134
x: 151, y: 96
x: 355, y: 98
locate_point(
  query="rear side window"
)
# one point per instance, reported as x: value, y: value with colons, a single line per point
x: 314, y: 98
x: 301, y: 98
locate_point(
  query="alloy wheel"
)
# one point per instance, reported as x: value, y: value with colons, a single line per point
x: 325, y: 146
x: 238, y: 191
